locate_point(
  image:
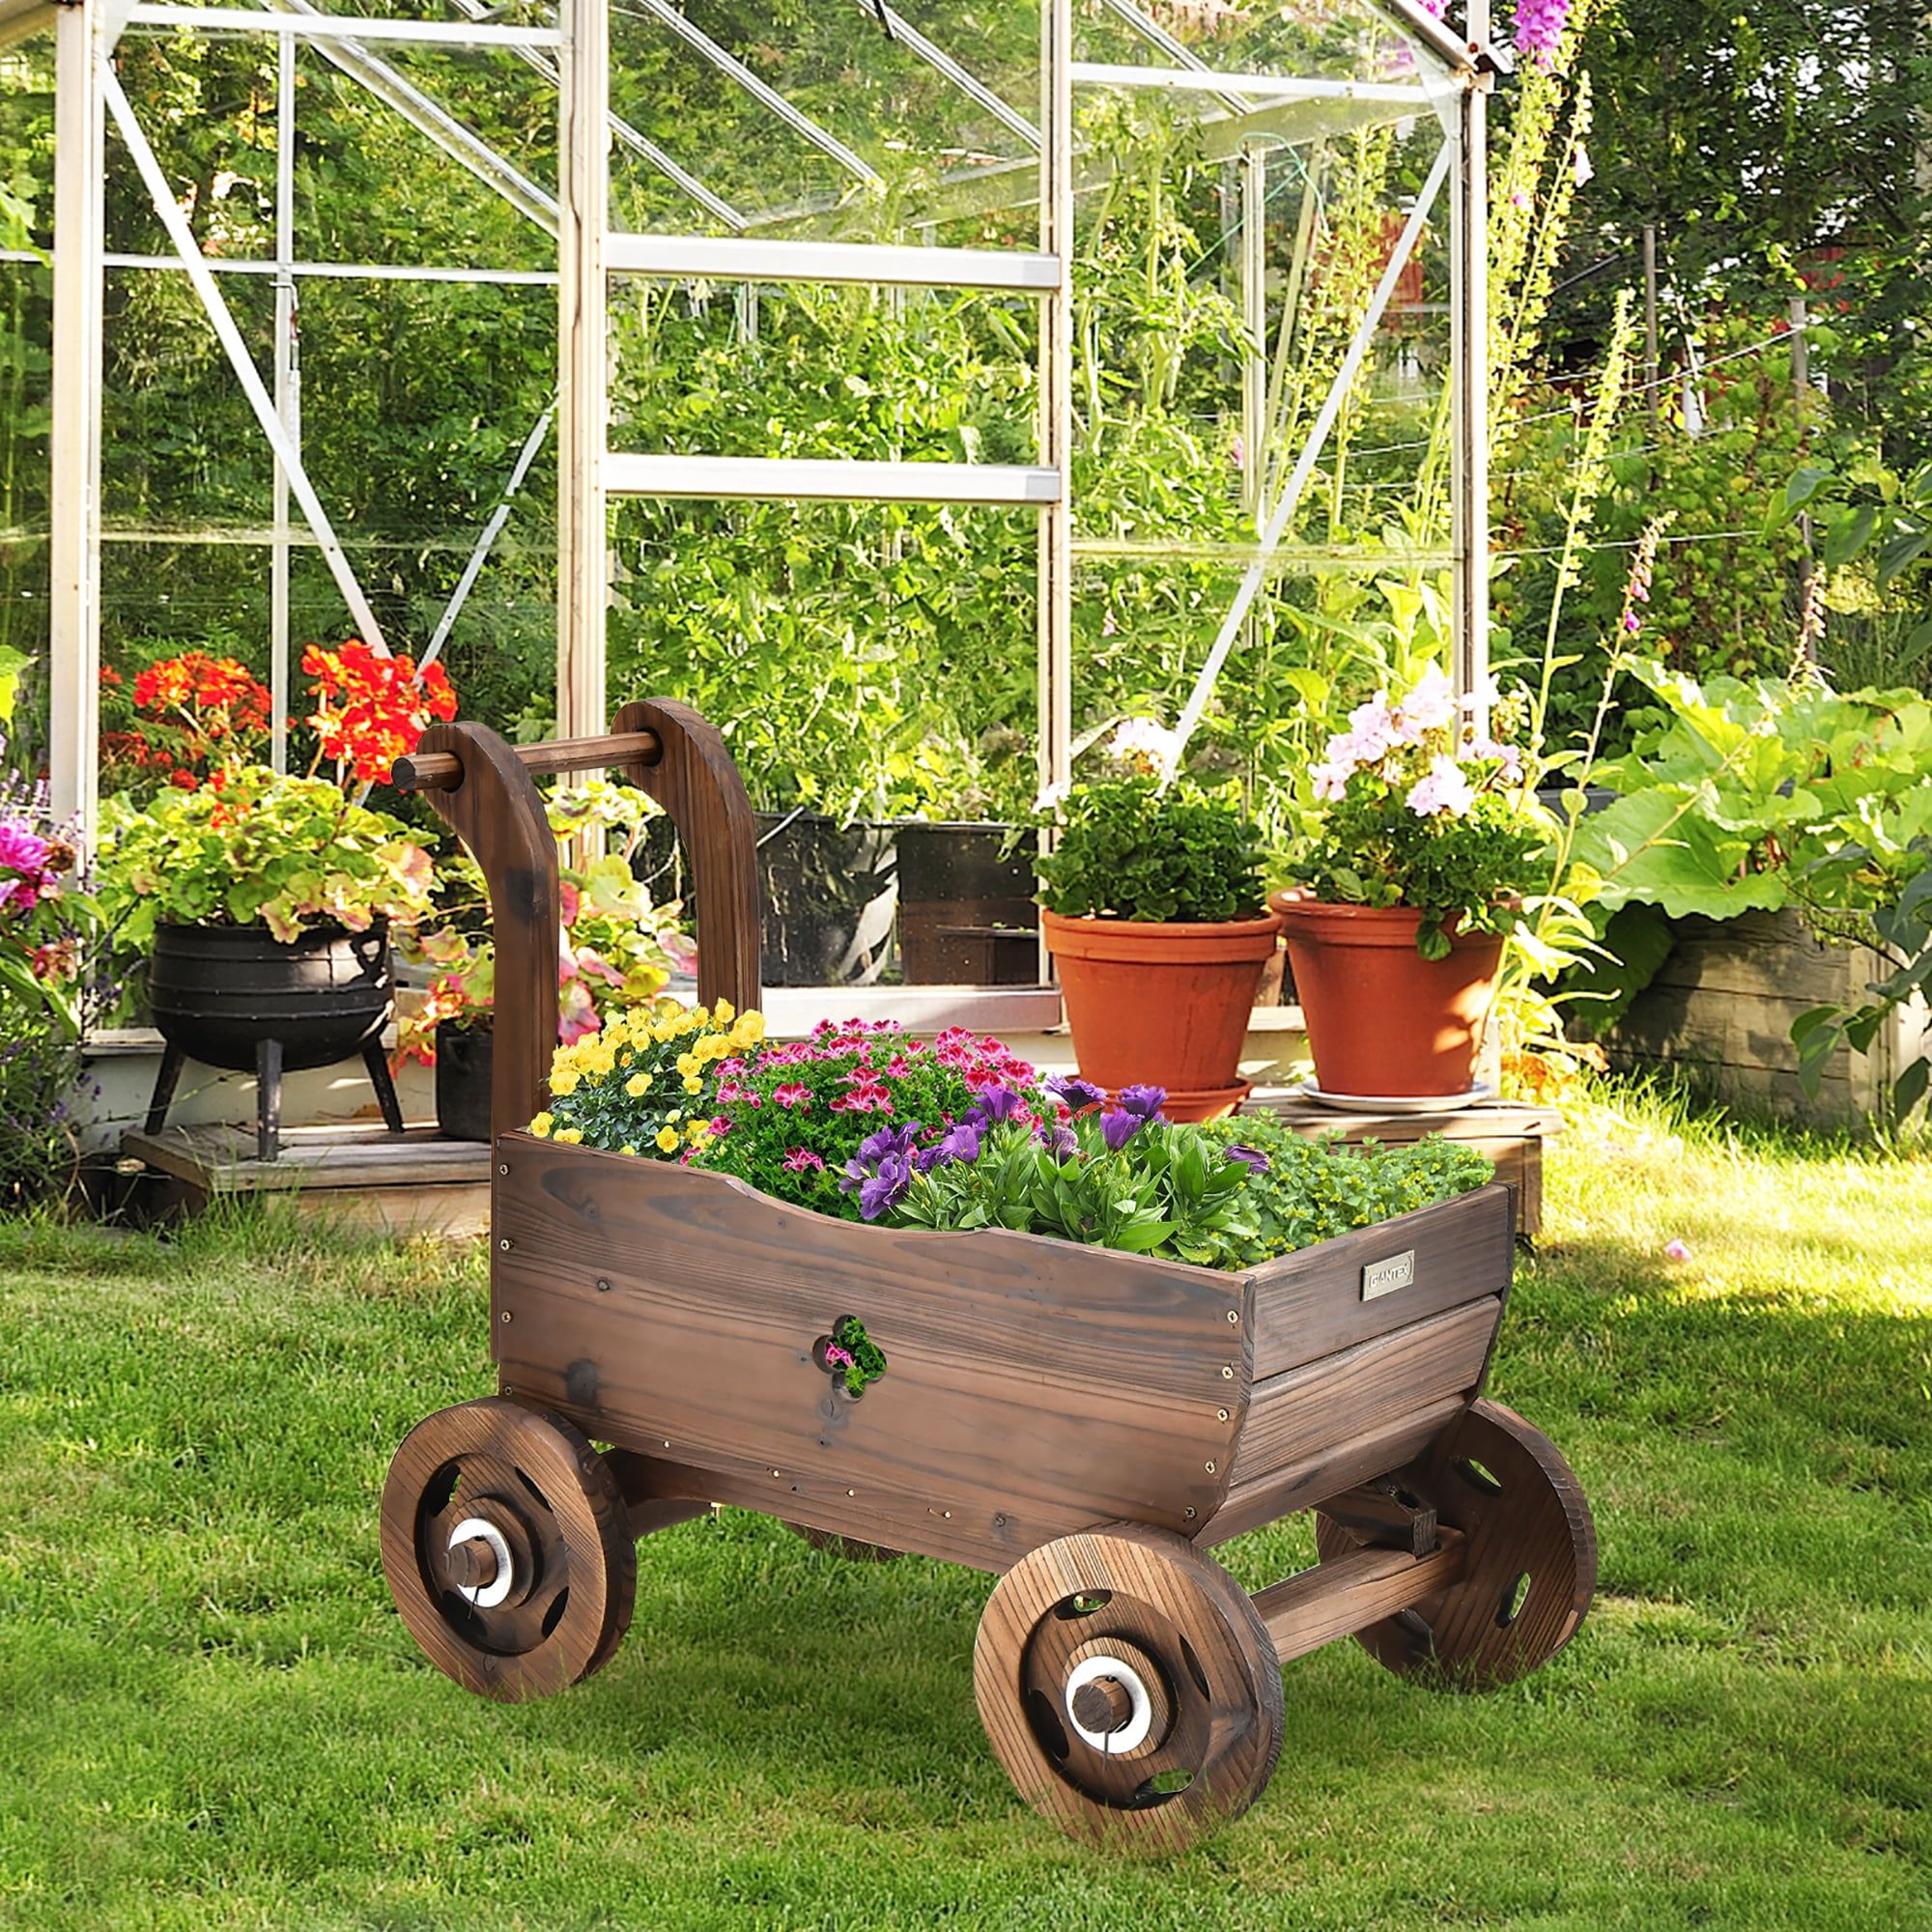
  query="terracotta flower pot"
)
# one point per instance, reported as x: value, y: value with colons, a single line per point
x: 1381, y: 1018
x: 1162, y: 1006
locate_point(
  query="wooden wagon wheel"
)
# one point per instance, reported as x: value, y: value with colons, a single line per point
x: 508, y: 1549
x: 853, y: 1549
x: 1531, y: 1565
x: 1128, y: 1688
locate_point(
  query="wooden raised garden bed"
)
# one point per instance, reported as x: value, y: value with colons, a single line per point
x: 1086, y: 1423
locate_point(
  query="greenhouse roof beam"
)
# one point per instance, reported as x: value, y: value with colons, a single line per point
x: 941, y: 62
x: 646, y: 150
x: 320, y: 26
x: 1410, y: 95
x: 782, y: 479
x: 760, y: 91
x: 431, y: 118
x: 732, y: 257
x: 1157, y: 36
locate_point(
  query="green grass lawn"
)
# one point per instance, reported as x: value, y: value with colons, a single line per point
x: 210, y: 1716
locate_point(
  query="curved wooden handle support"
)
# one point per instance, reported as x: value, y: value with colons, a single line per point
x: 492, y: 804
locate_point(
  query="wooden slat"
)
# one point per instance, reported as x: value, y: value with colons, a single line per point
x: 1296, y: 1417
x: 1349, y: 1593
x: 1310, y: 1304
x: 220, y: 1159
x: 1027, y: 1380
x: 1360, y: 1459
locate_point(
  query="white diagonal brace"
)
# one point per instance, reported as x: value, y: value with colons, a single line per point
x: 487, y: 542
x: 1257, y: 572
x: 430, y: 117
x: 941, y: 62
x: 182, y: 237
x: 762, y: 92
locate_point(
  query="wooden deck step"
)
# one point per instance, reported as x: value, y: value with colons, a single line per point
x: 357, y: 1174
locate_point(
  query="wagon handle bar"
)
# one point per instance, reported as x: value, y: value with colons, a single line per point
x: 482, y: 787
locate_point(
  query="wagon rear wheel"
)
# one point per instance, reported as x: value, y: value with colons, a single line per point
x: 508, y: 1549
x: 1128, y: 1688
x: 1531, y: 1565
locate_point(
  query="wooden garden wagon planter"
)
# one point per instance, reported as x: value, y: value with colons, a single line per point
x: 1084, y: 1423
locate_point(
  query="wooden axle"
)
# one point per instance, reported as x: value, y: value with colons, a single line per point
x: 1349, y: 1593
x: 443, y: 771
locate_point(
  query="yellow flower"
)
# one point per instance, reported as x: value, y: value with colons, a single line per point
x: 724, y: 1013
x: 542, y: 1124
x: 563, y: 1082
x: 749, y: 1030
x: 693, y: 1084
x: 688, y: 1064
x: 699, y: 1135
x: 637, y: 1086
x: 667, y: 1140
x: 675, y: 1114
x: 570, y: 1136
x: 629, y: 1146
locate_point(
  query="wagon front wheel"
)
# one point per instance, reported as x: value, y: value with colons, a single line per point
x: 508, y: 1549
x: 1530, y: 1566
x: 1128, y: 1688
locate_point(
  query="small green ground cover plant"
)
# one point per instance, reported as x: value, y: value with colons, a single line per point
x: 215, y: 1722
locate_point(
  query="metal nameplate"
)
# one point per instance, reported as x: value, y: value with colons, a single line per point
x: 1385, y: 1277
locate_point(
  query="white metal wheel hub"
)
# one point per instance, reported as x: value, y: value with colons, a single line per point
x: 1140, y: 1718
x: 486, y: 1596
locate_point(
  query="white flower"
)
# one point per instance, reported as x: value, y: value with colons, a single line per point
x: 1153, y: 748
x: 1430, y: 706
x: 1445, y: 792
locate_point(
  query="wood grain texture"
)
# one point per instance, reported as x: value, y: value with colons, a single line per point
x: 1321, y: 1407
x: 1032, y: 1386
x: 695, y: 782
x: 1310, y: 1304
x: 1155, y: 1604
x: 1354, y: 1591
x: 1363, y: 1455
x: 497, y: 812
x: 546, y: 1491
x: 1530, y: 1566
x: 439, y: 771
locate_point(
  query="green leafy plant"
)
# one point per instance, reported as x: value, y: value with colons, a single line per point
x: 291, y: 853
x: 1309, y: 1190
x: 1127, y: 848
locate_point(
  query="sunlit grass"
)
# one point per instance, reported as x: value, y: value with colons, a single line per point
x: 210, y: 1716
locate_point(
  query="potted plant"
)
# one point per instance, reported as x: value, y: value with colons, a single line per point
x: 618, y: 949
x: 1424, y: 833
x: 264, y: 901
x: 1154, y: 911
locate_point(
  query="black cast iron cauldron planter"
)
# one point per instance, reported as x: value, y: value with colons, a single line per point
x: 236, y: 997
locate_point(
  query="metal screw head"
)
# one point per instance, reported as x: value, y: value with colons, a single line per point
x: 503, y: 1167
x: 506, y: 1315
x: 1220, y: 1415
x: 504, y: 1243
x: 1227, y: 1372
x: 1234, y: 1318
x: 1189, y: 1513
x: 1208, y: 1466
x: 603, y: 1286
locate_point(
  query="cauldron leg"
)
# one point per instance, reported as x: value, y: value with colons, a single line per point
x: 376, y: 1062
x: 268, y: 1100
x: 165, y: 1082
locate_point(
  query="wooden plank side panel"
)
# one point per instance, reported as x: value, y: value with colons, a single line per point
x: 1322, y: 1407
x: 1050, y: 1385
x: 1309, y: 1304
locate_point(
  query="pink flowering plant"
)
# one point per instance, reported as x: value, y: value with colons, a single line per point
x: 829, y: 1122
x: 1418, y: 807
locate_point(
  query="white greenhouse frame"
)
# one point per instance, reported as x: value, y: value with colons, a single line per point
x: 1454, y: 75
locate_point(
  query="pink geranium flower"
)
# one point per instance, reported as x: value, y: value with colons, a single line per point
x: 793, y: 1094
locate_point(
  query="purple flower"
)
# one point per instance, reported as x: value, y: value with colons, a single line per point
x: 1142, y: 1102
x: 1539, y: 29
x: 21, y: 848
x: 1250, y: 1157
x: 1075, y: 1093
x: 1060, y: 1143
x: 996, y: 1104
x: 889, y: 1143
x: 886, y: 1188
x: 1118, y: 1127
x: 963, y: 1143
